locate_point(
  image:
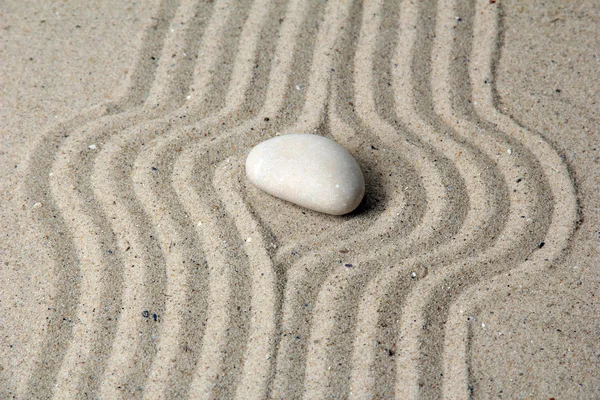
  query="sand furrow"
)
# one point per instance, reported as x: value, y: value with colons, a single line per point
x: 36, y: 189
x: 220, y: 294
x: 152, y: 173
x: 86, y: 145
x: 260, y: 346
x: 457, y: 381
x: 424, y: 313
x: 143, y: 266
x: 205, y: 72
x: 213, y: 362
x: 37, y: 184
x: 186, y: 33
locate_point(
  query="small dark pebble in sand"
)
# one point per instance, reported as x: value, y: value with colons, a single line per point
x: 155, y: 317
x: 541, y: 245
x: 519, y: 180
x: 154, y: 169
x: 348, y: 265
x: 145, y: 314
x: 267, y: 119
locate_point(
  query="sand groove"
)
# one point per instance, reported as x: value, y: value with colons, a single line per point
x: 564, y: 213
x: 150, y: 260
x: 180, y: 281
x: 203, y: 383
x: 37, y: 187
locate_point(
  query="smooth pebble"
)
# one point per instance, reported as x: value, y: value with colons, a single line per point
x: 309, y: 170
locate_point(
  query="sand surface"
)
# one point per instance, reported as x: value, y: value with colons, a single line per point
x: 136, y: 261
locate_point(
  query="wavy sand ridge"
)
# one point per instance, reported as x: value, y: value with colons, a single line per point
x: 178, y: 242
x: 562, y: 190
x: 37, y: 188
x: 142, y: 242
x: 192, y: 283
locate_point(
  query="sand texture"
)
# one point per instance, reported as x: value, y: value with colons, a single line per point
x: 137, y: 261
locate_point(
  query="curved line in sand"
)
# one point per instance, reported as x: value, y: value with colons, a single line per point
x: 209, y: 367
x: 139, y: 266
x: 151, y: 195
x: 257, y: 365
x: 361, y: 373
x: 36, y: 186
x: 492, y: 261
x: 456, y: 374
x: 94, y: 286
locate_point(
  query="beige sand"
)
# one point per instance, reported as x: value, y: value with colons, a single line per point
x: 138, y: 262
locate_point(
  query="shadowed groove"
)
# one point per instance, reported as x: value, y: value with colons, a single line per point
x: 174, y: 76
x: 155, y: 165
x: 80, y: 207
x: 36, y: 186
x: 143, y: 266
x: 488, y: 42
x: 143, y: 77
x: 210, y: 379
x: 257, y: 361
x: 131, y: 142
x: 182, y: 175
x: 423, y: 321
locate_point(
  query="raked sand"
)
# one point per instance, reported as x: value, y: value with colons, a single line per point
x: 137, y: 261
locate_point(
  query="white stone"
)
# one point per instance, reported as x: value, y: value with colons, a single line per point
x: 309, y: 170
